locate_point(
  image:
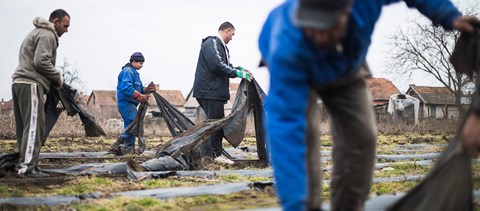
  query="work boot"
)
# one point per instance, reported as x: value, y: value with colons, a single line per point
x: 127, y: 150
x: 115, y: 147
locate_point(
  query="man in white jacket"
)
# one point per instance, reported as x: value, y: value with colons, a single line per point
x: 31, y: 81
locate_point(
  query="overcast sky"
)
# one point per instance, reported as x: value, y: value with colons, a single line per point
x: 103, y: 34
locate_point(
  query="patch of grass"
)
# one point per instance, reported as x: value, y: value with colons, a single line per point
x: 393, y: 187
x: 8, y: 146
x: 236, y: 201
x: 86, y: 185
x: 121, y: 203
x: 403, y: 169
x: 231, y: 178
x: 411, y: 138
x: 160, y: 183
x: 239, y: 178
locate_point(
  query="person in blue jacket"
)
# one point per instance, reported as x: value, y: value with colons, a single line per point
x: 130, y: 92
x: 320, y: 45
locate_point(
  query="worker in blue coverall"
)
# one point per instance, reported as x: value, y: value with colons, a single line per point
x: 321, y: 45
x: 130, y: 92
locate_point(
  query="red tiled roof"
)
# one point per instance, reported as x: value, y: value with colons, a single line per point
x: 382, y: 88
x: 6, y: 105
x: 433, y: 95
x: 103, y: 98
x: 109, y: 97
x: 174, y: 97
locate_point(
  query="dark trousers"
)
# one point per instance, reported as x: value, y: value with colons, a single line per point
x: 349, y: 103
x: 28, y: 106
x: 214, y: 109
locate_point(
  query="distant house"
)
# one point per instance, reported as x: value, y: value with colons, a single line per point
x: 435, y: 102
x: 174, y: 97
x: 194, y: 111
x: 6, y: 107
x: 103, y: 103
x: 192, y: 108
x: 381, y: 90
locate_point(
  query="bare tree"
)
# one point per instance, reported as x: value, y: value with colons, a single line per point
x: 70, y: 74
x: 427, y: 48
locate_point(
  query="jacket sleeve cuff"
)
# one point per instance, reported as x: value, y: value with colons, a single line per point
x: 136, y: 94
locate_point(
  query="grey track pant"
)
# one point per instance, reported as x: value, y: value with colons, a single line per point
x: 28, y: 106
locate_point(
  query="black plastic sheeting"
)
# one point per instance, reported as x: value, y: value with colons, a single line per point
x: 93, y: 169
x: 7, y: 163
x: 66, y: 95
x: 448, y: 185
x: 188, y: 150
x: 374, y: 203
x: 160, y: 193
x: 176, y: 121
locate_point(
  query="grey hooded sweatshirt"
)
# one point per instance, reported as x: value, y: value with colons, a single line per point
x: 37, y: 56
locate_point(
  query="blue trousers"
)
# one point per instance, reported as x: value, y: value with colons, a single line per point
x: 128, y: 111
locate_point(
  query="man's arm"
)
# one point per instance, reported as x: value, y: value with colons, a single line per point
x: 440, y: 12
x: 212, y: 55
x: 125, y: 85
x: 43, y: 59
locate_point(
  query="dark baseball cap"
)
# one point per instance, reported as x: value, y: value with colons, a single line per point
x: 319, y: 14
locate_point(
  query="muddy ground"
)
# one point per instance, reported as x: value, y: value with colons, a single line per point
x: 74, y: 185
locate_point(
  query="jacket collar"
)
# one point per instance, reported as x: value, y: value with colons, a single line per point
x: 39, y: 22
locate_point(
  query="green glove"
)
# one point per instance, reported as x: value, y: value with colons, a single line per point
x: 243, y: 74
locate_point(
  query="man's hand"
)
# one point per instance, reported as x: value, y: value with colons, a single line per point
x: 151, y: 87
x: 466, y: 24
x: 471, y: 135
x: 59, y: 86
x: 244, y: 73
x: 143, y: 98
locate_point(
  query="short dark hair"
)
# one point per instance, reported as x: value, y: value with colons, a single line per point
x: 58, y: 13
x: 226, y: 25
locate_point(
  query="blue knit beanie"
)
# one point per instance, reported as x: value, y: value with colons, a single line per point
x: 137, y: 56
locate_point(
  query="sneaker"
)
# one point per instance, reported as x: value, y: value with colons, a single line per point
x: 223, y: 160
x: 34, y: 174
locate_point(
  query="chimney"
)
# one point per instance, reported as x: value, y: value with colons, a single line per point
x: 157, y: 86
x: 410, y: 85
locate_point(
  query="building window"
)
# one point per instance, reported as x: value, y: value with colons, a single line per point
x: 432, y: 111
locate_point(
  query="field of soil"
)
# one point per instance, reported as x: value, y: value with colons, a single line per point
x: 402, y: 161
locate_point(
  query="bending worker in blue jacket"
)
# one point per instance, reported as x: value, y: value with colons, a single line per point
x: 130, y: 92
x: 321, y: 45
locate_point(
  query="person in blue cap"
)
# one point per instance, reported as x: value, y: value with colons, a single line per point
x: 320, y: 46
x: 130, y: 92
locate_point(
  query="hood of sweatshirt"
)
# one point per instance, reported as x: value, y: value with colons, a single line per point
x: 39, y: 22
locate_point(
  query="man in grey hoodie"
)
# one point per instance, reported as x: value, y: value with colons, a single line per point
x: 31, y: 81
